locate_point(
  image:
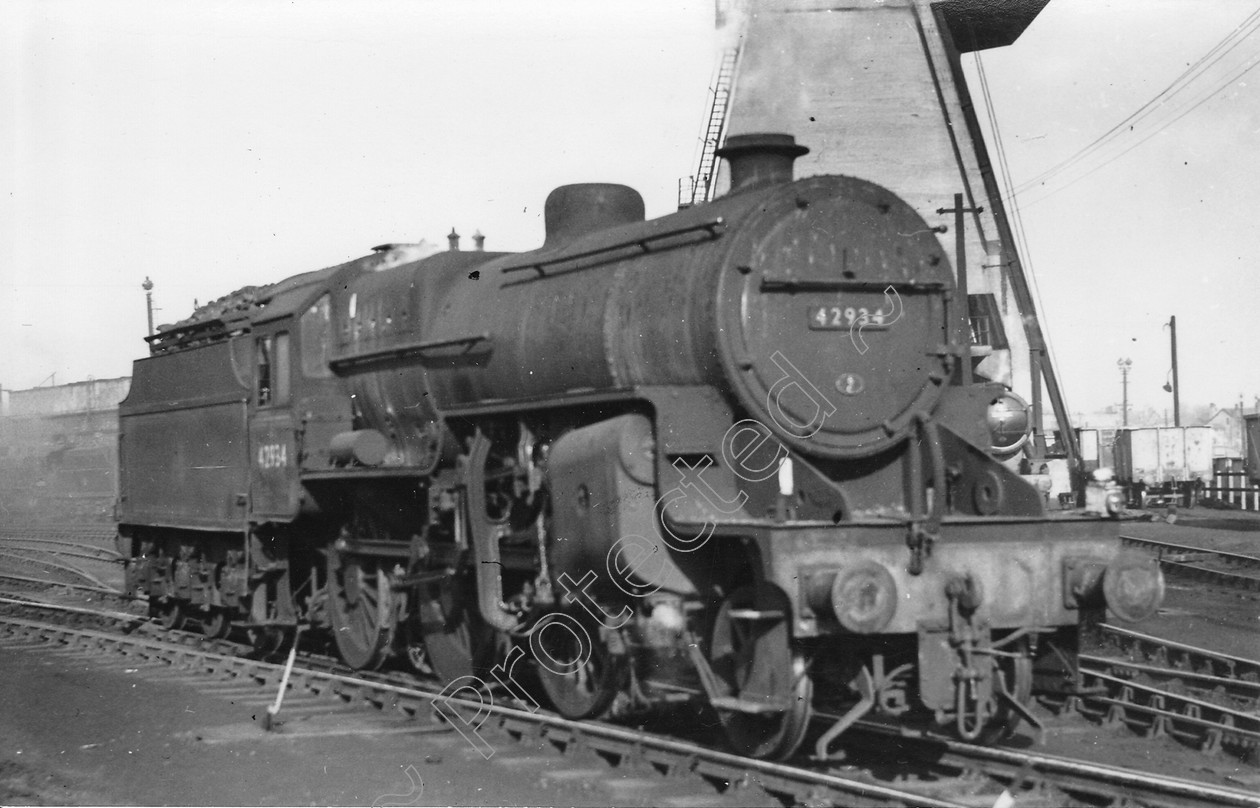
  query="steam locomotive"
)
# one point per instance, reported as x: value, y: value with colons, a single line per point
x: 731, y: 455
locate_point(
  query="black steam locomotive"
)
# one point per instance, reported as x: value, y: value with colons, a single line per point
x: 730, y: 454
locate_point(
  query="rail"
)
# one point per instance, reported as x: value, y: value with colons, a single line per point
x: 102, y: 554
x: 28, y: 581
x: 79, y: 532
x: 53, y: 565
x: 1184, y: 561
x: 1088, y: 782
x: 1158, y: 687
x: 1179, y: 656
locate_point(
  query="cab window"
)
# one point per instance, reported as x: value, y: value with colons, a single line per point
x: 315, y: 333
x: 272, y: 374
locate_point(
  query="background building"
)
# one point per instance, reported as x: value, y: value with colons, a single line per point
x: 59, y: 451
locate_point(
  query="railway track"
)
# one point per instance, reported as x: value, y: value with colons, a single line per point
x: 68, y: 549
x: 75, y: 533
x: 944, y: 773
x: 56, y: 567
x: 415, y: 702
x: 1206, y: 700
x: 58, y: 555
x: 1158, y: 687
x: 1234, y: 570
x: 28, y: 582
x: 1034, y: 779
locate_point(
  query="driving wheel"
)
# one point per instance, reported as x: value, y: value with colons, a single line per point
x: 765, y: 709
x: 361, y: 607
x: 576, y: 670
x: 456, y: 641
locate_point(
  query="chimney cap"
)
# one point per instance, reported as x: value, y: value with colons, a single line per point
x: 765, y: 142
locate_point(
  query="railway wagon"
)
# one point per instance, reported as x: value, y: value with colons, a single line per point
x: 1163, y: 464
x: 729, y: 455
x: 1251, y: 446
x: 1098, y: 448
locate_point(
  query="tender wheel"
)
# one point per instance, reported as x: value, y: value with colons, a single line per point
x: 418, y: 659
x: 456, y: 641
x: 169, y: 613
x: 361, y: 608
x: 269, y: 641
x: 766, y: 708
x: 414, y: 650
x: 576, y: 670
x: 216, y: 623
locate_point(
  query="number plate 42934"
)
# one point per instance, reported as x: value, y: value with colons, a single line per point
x: 843, y: 318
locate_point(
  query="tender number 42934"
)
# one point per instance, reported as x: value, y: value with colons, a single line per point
x: 273, y: 455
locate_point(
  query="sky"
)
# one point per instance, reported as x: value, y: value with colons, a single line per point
x: 212, y: 145
x: 1164, y: 220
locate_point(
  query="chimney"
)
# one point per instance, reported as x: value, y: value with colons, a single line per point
x: 760, y: 158
x: 453, y: 238
x: 479, y: 242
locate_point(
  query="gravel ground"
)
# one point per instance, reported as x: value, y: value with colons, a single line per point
x: 82, y: 731
x: 1201, y: 614
x: 1229, y: 531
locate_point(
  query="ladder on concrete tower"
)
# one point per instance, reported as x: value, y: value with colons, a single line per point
x: 699, y: 187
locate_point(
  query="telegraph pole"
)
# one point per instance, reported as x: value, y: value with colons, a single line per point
x: 960, y: 261
x: 1176, y: 391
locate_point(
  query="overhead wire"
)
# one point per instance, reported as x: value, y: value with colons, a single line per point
x: 1017, y: 222
x: 1186, y: 111
x: 1185, y: 80
x: 1222, y: 48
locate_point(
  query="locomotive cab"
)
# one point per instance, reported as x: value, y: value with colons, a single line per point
x: 222, y: 417
x: 299, y: 404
